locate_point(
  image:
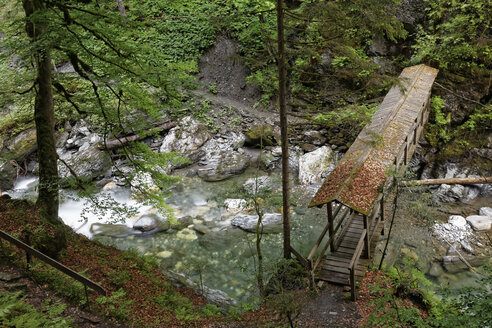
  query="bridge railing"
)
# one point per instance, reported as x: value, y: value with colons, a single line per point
x: 57, y: 265
x: 340, y: 213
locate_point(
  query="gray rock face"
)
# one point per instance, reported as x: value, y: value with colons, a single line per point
x: 452, y: 193
x: 480, y: 222
x: 151, y: 222
x: 188, y: 136
x: 8, y: 174
x: 223, y: 167
x: 411, y: 12
x: 313, y: 165
x: 91, y: 162
x: 271, y: 222
x: 486, y: 211
x: 314, y: 137
x: 222, y: 160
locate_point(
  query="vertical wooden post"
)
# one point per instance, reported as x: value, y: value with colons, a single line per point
x: 382, y: 213
x: 329, y: 209
x: 366, y: 238
x: 352, y: 283
x: 405, y: 155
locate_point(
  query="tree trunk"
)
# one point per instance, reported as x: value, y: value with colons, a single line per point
x: 462, y: 181
x: 45, y: 125
x: 283, y: 128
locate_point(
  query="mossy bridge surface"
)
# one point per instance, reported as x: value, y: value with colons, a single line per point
x: 354, y: 191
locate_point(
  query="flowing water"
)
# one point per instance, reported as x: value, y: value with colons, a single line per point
x: 223, y: 256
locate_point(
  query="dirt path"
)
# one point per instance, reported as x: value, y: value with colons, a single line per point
x: 332, y: 307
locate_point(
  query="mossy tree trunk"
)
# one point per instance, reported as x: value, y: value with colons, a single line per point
x: 44, y: 118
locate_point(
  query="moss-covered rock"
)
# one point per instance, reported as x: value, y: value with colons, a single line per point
x: 262, y: 135
x: 20, y: 147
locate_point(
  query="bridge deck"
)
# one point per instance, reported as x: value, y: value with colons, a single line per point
x: 358, y: 181
x: 335, y: 265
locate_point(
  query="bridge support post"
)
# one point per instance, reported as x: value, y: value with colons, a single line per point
x: 329, y: 210
x: 382, y: 214
x: 366, y: 238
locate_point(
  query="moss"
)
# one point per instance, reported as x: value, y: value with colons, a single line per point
x: 21, y: 146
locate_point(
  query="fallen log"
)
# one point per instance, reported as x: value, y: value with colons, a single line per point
x: 119, y: 142
x: 462, y: 181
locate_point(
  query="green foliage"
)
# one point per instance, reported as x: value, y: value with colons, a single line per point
x: 15, y: 312
x: 116, y: 305
x: 352, y: 117
x: 119, y: 277
x: 61, y: 283
x: 457, y: 34
x: 480, y: 119
x: 437, y: 128
x: 182, y: 307
x: 469, y: 307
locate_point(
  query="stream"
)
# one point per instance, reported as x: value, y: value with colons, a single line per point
x: 222, y: 256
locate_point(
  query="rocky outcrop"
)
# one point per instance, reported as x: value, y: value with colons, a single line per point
x: 223, y: 167
x: 316, y: 165
x: 20, y: 146
x: 8, y: 174
x: 452, y: 193
x: 222, y: 159
x: 262, y: 136
x: 188, y: 136
x: 78, y: 147
x: 90, y: 162
x: 270, y: 223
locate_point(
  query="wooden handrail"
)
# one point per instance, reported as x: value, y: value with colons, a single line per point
x: 358, y: 249
x: 323, y: 233
x: 48, y: 260
x: 299, y: 257
x: 353, y: 262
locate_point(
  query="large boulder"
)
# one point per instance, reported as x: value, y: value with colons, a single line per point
x: 188, y: 136
x: 151, y: 222
x: 480, y: 222
x: 223, y: 166
x: 90, y: 162
x: 8, y: 174
x: 270, y: 223
x: 316, y: 164
x: 110, y: 230
x: 262, y: 136
x: 20, y: 146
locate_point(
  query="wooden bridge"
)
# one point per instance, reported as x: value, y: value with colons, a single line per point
x: 354, y: 190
